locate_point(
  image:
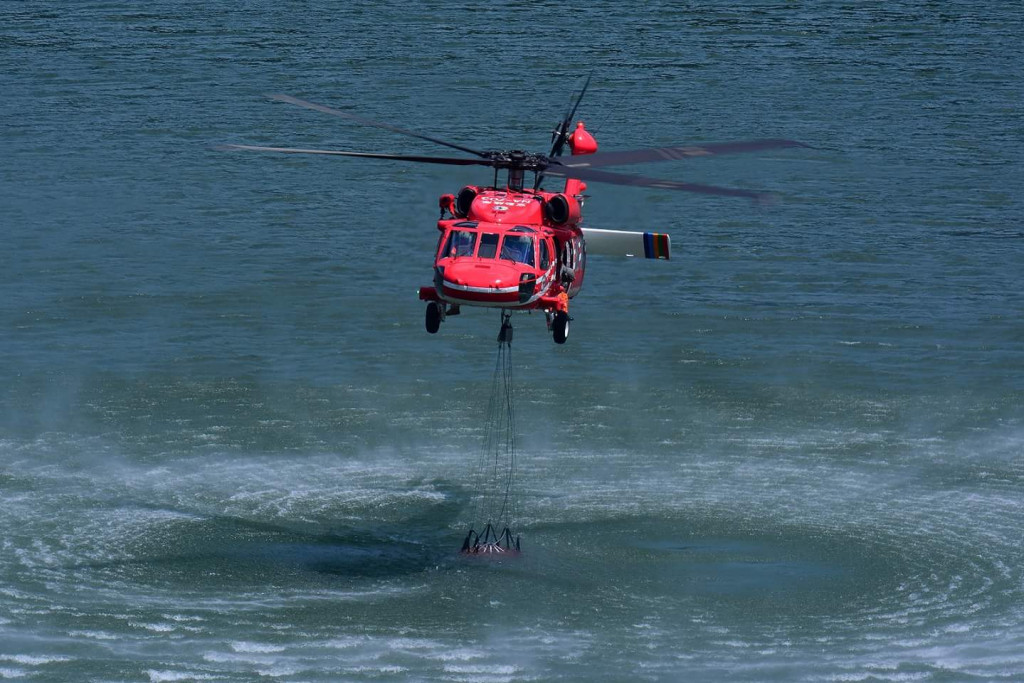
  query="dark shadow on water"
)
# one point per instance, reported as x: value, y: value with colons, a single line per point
x: 219, y: 547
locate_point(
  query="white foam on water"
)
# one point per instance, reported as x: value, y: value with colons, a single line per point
x: 381, y: 669
x: 168, y: 676
x: 184, y: 618
x: 155, y: 627
x: 256, y: 648
x: 239, y: 658
x: 345, y: 643
x: 491, y: 669
x: 460, y: 655
x: 94, y: 635
x: 34, y: 660
x: 413, y: 644
x: 279, y: 670
x: 732, y: 643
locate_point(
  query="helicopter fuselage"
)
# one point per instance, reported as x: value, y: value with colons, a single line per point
x: 509, y: 249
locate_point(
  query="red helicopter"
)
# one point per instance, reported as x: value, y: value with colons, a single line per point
x: 522, y: 249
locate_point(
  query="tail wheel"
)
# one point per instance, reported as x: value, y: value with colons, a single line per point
x: 560, y: 327
x: 433, y: 319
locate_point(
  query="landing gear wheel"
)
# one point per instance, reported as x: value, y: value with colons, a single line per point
x: 433, y: 317
x: 560, y: 327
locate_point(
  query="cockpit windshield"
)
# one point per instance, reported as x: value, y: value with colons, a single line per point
x: 488, y: 245
x: 518, y: 248
x: 515, y: 246
x: 460, y: 243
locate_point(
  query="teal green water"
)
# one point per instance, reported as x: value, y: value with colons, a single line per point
x: 229, y: 450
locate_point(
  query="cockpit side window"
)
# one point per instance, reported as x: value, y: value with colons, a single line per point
x: 460, y: 243
x: 488, y: 245
x: 518, y: 248
x: 545, y: 258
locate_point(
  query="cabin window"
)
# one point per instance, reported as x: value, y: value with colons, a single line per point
x: 460, y: 243
x: 569, y: 255
x: 518, y: 248
x: 488, y: 245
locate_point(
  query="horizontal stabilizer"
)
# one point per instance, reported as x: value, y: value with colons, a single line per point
x: 622, y: 243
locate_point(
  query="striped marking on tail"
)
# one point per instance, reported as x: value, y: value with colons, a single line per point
x: 656, y: 245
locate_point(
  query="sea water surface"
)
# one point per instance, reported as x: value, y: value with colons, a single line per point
x: 230, y: 451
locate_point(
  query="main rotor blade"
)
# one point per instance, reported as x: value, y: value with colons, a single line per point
x: 369, y: 122
x: 560, y: 171
x: 637, y: 156
x: 450, y: 161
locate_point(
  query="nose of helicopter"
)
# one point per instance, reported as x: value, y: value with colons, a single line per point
x: 483, y: 281
x: 482, y: 273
